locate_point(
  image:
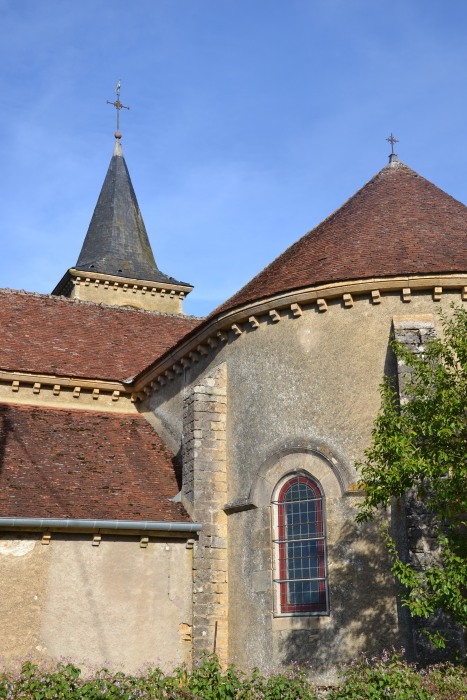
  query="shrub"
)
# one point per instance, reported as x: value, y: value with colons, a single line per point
x: 389, y: 676
x: 368, y: 679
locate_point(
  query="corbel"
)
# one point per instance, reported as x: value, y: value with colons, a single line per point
x: 202, y: 349
x: 143, y: 542
x: 185, y: 362
x: 161, y: 380
x: 15, y: 385
x: 296, y: 310
x: 253, y: 321
x: 189, y: 544
x: 135, y: 397
x: 181, y: 295
x: 375, y: 296
x: 194, y: 357
x: 172, y: 293
x: 95, y: 394
x: 87, y: 281
x: 115, y: 286
x: 406, y: 294
x: 125, y: 288
x: 97, y: 283
x: 222, y: 335
x: 177, y: 368
x: 36, y: 388
x: 56, y: 390
x: 162, y: 292
x: 46, y: 536
x: 464, y: 294
x: 147, y: 390
x: 106, y: 284
x: 212, y: 342
x: 169, y: 374
x: 237, y: 329
x: 76, y: 392
x: 77, y: 281
x: 135, y: 288
x: 322, y: 305
x: 115, y: 395
x: 274, y: 316
x: 144, y: 290
x: 437, y: 293
x: 153, y: 291
x: 96, y: 540
x: 348, y: 301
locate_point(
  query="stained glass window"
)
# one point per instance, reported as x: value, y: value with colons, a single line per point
x: 301, y: 547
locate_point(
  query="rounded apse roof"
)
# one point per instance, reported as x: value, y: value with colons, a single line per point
x: 397, y: 224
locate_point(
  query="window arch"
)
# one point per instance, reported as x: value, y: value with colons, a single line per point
x: 300, y: 545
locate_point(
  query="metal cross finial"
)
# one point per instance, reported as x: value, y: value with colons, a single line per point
x: 118, y: 106
x: 392, y: 140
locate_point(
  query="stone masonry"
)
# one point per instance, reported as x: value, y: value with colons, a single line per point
x: 205, y: 488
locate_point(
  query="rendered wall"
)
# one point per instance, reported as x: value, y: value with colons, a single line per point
x: 115, y: 603
x: 302, y: 393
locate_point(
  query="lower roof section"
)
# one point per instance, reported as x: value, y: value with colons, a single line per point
x: 52, y: 335
x: 65, y: 464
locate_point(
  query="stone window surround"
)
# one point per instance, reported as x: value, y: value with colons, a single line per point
x: 336, y: 480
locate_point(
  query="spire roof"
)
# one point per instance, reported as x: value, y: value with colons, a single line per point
x: 397, y: 224
x: 116, y: 242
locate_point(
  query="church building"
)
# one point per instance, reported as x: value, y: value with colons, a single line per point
x: 171, y: 484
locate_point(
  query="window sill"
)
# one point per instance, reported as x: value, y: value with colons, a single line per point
x: 303, y: 621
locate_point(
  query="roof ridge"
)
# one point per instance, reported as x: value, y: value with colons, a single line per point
x: 74, y: 301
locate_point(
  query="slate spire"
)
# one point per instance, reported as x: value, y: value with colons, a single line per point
x: 116, y: 242
x: 116, y: 264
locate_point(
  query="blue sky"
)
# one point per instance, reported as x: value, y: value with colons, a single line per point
x: 250, y: 122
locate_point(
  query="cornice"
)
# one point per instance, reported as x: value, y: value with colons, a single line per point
x: 66, y: 392
x: 149, y: 286
x: 230, y: 324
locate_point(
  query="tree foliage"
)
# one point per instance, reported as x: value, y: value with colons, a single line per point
x: 420, y: 444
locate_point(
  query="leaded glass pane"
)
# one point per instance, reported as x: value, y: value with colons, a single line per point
x: 301, y: 547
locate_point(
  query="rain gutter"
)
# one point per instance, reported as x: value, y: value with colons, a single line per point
x: 73, y: 524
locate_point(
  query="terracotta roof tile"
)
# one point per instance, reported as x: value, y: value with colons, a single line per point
x: 54, y: 335
x: 397, y: 224
x: 80, y: 464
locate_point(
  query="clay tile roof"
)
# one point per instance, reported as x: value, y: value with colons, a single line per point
x: 57, y: 463
x: 397, y: 224
x: 52, y: 335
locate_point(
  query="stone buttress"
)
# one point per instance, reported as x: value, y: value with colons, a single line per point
x: 422, y: 550
x: 205, y: 492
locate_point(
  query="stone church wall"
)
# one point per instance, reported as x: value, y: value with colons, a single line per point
x: 116, y: 603
x: 302, y: 394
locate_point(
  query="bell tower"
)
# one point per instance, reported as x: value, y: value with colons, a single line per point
x: 116, y: 264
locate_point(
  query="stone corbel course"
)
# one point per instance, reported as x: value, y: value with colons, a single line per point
x: 86, y: 394
x: 234, y: 324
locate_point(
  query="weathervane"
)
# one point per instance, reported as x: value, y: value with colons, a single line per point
x: 118, y: 106
x: 392, y: 140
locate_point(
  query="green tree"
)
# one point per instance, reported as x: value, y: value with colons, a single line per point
x: 420, y: 444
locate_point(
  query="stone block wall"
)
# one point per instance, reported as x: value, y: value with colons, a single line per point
x: 205, y: 489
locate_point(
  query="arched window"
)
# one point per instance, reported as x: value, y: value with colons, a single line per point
x: 301, y: 574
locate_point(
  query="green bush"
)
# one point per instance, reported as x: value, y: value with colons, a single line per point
x: 389, y: 676
x: 379, y: 678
